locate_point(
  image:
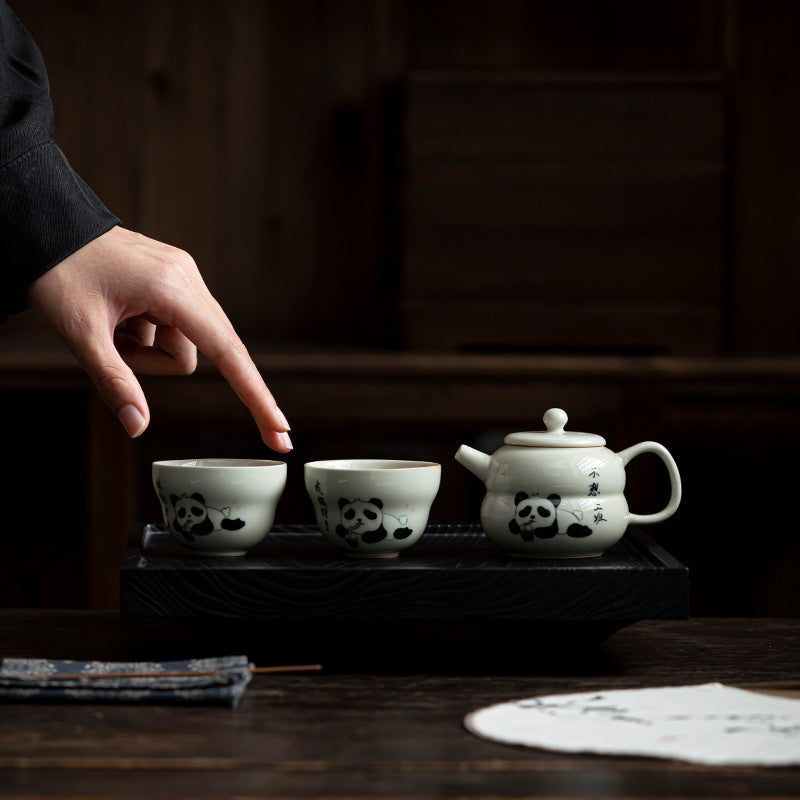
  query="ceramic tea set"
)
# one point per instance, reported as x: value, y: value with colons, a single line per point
x: 549, y: 494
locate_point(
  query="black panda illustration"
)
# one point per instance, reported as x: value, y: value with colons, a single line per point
x: 194, y: 518
x: 363, y: 521
x: 541, y: 517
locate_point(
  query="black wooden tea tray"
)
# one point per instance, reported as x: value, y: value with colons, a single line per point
x: 453, y: 580
x: 452, y: 573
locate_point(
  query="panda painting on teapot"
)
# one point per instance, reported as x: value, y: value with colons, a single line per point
x: 559, y: 494
x: 541, y: 516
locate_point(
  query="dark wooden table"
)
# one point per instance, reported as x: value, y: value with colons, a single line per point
x: 367, y: 728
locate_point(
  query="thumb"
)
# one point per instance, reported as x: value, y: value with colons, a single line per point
x: 117, y: 386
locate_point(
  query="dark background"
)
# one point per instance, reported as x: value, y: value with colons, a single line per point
x: 430, y: 222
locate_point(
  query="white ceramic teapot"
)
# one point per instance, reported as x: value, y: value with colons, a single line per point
x: 557, y: 493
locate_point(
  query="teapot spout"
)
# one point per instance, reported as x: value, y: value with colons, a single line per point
x: 476, y: 462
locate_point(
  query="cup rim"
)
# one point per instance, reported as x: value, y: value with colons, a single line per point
x: 220, y: 463
x: 352, y: 465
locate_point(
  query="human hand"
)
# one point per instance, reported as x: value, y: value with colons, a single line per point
x: 125, y: 302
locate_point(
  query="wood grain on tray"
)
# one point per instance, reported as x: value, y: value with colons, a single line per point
x: 453, y: 573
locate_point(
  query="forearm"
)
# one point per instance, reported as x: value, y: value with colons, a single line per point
x: 46, y: 211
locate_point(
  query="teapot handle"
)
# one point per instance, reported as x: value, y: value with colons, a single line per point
x: 674, y: 477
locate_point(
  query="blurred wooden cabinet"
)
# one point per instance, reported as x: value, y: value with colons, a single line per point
x: 582, y: 211
x: 601, y: 177
x: 431, y: 220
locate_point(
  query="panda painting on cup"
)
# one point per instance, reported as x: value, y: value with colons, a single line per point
x: 364, y: 521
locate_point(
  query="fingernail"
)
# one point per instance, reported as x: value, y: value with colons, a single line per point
x: 132, y: 420
x: 287, y: 442
x: 282, y: 419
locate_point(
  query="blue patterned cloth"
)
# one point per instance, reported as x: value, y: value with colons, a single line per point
x: 37, y: 680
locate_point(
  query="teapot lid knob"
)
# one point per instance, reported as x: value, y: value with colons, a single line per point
x: 555, y: 436
x: 555, y: 420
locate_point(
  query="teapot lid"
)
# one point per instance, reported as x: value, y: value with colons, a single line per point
x: 555, y: 436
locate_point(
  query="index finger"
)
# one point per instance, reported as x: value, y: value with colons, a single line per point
x: 207, y: 325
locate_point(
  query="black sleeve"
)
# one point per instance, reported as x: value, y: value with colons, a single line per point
x: 46, y: 211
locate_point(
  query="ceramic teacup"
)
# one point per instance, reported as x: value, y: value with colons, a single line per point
x: 372, y: 508
x: 219, y: 506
